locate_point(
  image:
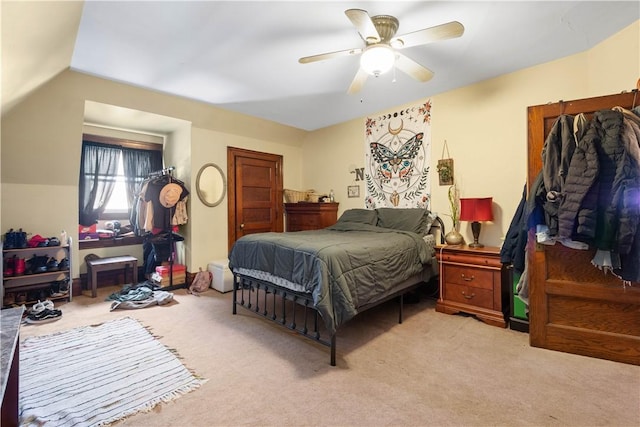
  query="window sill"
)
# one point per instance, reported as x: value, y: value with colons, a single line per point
x: 110, y: 243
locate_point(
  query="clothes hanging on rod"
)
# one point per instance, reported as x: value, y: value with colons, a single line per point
x: 161, y: 172
x: 163, y: 193
x: 160, y: 196
x: 149, y: 214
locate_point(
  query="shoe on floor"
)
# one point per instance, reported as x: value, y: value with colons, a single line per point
x: 41, y: 306
x: 44, y: 316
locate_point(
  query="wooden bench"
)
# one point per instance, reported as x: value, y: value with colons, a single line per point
x: 95, y: 266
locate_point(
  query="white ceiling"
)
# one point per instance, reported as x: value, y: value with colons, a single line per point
x: 243, y: 55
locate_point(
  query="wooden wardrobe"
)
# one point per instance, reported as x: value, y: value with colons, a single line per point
x: 574, y: 307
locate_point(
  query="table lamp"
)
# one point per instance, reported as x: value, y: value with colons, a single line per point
x: 476, y: 210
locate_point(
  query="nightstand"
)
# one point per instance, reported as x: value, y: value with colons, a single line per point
x: 471, y: 282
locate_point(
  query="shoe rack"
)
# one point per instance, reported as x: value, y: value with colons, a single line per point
x: 33, y: 274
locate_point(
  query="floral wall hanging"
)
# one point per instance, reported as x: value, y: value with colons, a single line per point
x: 398, y: 158
x: 445, y: 167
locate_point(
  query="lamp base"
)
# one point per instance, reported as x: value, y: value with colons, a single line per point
x: 475, y: 229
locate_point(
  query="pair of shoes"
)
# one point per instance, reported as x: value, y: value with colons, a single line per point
x: 36, y: 264
x: 40, y: 306
x: 14, y: 266
x: 45, y: 316
x: 15, y: 239
x: 63, y: 264
x: 58, y: 288
x: 9, y: 299
x: 8, y: 270
x: 52, y: 264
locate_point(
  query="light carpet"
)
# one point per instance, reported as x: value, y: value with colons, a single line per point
x: 96, y: 375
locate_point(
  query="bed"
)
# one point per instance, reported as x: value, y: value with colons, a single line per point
x: 313, y: 282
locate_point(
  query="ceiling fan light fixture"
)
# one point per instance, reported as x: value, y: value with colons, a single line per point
x: 377, y: 59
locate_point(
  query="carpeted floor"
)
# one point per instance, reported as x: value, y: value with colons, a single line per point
x: 432, y: 370
x: 97, y: 374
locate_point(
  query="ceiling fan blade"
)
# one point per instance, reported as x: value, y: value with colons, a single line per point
x: 412, y: 68
x: 329, y: 55
x: 446, y: 31
x: 363, y: 23
x: 357, y: 82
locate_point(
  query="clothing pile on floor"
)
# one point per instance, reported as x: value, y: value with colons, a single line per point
x: 139, y: 295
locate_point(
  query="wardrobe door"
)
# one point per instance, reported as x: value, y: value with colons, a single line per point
x: 573, y: 306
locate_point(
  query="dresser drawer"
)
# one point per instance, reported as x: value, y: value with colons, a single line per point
x: 310, y: 216
x: 304, y: 220
x: 469, y: 276
x: 469, y: 295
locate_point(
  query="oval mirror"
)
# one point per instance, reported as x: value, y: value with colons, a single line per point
x: 211, y: 184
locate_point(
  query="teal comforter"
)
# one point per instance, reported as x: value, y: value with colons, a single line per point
x: 345, y: 267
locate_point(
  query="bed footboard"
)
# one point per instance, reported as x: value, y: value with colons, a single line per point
x: 295, y: 310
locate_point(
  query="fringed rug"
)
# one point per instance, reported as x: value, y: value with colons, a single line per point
x: 96, y: 375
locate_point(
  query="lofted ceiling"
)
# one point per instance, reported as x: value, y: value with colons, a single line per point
x: 243, y: 55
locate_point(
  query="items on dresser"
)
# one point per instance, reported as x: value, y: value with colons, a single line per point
x: 471, y: 282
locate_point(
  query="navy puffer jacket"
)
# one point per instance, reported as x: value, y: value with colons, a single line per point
x: 588, y: 211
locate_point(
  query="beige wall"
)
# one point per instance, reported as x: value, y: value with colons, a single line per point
x: 41, y: 144
x: 485, y: 126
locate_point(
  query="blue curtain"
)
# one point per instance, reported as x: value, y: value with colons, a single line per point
x: 138, y: 164
x: 98, y: 167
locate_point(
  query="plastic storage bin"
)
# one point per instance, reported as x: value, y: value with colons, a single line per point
x: 222, y: 277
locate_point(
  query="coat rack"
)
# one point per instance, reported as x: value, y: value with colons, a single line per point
x: 168, y: 172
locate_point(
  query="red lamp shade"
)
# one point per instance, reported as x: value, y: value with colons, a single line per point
x: 475, y: 209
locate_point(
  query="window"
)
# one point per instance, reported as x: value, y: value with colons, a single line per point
x: 111, y: 170
x: 118, y: 204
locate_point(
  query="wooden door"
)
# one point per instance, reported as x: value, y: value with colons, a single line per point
x: 573, y: 306
x: 255, y: 193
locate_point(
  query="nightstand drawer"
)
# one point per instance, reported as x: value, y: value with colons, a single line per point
x: 475, y: 259
x: 469, y: 276
x: 469, y: 295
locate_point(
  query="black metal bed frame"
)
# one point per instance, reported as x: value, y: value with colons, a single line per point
x: 247, y: 293
x: 251, y: 294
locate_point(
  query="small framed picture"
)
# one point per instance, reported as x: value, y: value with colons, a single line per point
x: 353, y: 191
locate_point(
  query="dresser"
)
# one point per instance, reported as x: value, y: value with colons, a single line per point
x: 471, y: 282
x: 10, y: 321
x: 310, y: 216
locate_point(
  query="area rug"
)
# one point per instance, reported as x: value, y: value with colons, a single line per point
x: 96, y: 375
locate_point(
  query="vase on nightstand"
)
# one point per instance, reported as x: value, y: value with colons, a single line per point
x: 454, y: 237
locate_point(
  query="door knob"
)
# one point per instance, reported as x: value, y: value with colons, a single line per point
x: 242, y: 226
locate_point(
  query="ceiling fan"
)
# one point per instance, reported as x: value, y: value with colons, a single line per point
x: 380, y: 52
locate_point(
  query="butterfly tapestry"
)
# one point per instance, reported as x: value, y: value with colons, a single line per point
x: 397, y: 158
x: 396, y: 163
